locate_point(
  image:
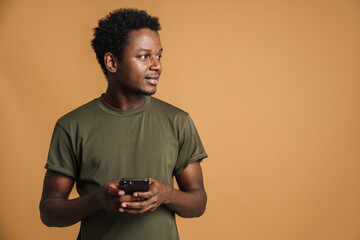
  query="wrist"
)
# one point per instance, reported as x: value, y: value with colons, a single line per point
x: 98, y: 199
x: 168, y: 193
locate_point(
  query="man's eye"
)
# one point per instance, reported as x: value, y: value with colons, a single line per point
x: 158, y: 57
x: 144, y: 56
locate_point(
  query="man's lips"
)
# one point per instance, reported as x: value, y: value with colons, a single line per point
x: 153, y: 80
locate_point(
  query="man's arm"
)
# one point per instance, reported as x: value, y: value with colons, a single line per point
x: 57, y: 210
x: 189, y: 201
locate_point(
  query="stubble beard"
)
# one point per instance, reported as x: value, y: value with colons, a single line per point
x: 146, y: 93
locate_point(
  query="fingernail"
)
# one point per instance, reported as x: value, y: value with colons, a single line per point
x: 136, y: 194
x: 123, y: 205
x: 121, y: 210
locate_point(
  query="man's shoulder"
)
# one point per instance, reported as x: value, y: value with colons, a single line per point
x: 80, y: 114
x: 167, y: 108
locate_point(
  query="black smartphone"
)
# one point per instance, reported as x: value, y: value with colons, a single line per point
x: 131, y: 185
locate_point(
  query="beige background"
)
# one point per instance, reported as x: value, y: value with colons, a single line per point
x: 273, y: 87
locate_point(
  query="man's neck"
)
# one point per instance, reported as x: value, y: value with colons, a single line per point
x: 123, y: 101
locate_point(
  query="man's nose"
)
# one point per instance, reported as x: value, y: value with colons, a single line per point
x: 155, y: 64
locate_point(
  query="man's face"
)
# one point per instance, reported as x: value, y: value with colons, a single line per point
x: 140, y: 69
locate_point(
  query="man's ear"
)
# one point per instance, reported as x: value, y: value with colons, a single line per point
x: 110, y: 62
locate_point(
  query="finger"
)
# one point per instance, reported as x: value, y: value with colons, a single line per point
x: 132, y: 205
x: 145, y: 195
x: 110, y: 191
x: 116, y: 201
x: 151, y: 207
x: 129, y: 198
x: 137, y: 205
x: 151, y: 180
x: 115, y: 184
x: 137, y: 211
x: 133, y: 211
x: 153, y: 191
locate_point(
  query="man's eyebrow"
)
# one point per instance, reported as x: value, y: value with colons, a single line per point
x: 148, y: 50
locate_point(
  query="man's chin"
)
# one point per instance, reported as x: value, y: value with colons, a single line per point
x: 147, y: 93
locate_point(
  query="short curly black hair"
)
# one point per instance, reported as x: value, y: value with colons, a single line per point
x: 111, y: 35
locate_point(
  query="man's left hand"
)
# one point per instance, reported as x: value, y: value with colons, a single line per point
x: 152, y: 199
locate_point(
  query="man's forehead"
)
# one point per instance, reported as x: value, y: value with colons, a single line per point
x: 148, y: 50
x: 144, y: 39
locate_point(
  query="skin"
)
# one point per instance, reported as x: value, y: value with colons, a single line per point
x: 129, y: 81
x: 137, y: 74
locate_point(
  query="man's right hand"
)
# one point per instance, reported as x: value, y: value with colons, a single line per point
x: 110, y: 197
x: 56, y: 209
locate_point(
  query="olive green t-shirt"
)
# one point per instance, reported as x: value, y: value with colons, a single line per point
x: 97, y: 143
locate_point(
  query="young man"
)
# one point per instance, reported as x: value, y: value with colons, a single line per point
x: 125, y: 133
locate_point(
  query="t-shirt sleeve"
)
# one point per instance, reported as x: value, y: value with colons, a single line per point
x: 61, y: 156
x: 191, y: 148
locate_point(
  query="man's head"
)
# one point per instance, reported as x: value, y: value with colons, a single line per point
x: 112, y: 33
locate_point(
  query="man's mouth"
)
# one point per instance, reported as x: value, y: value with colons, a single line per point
x: 153, y: 80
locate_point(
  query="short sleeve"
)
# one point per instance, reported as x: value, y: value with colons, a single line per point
x: 190, y: 146
x: 61, y: 156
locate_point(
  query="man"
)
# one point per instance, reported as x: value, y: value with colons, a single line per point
x: 125, y: 133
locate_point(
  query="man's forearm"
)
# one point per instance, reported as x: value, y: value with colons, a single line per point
x: 60, y: 212
x: 186, y: 204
